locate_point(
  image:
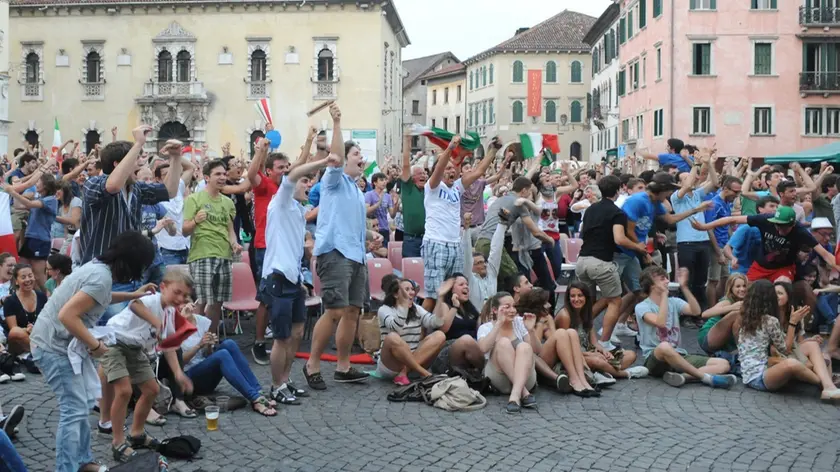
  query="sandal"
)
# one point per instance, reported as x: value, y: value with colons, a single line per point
x: 93, y: 467
x: 158, y: 421
x: 260, y: 405
x: 188, y: 413
x: 143, y: 441
x: 120, y: 454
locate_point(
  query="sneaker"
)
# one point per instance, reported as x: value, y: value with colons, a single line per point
x: 613, y: 339
x: 512, y: 408
x: 723, y: 381
x: 621, y: 329
x: 352, y: 375
x: 637, y: 372
x: 18, y: 377
x: 674, y: 379
x: 104, y: 430
x: 298, y: 392
x: 604, y: 380
x: 15, y: 417
x: 4, y: 378
x: 283, y: 396
x: 608, y: 345
x: 401, y: 380
x: 315, y: 381
x: 529, y: 402
x: 562, y: 384
x: 260, y: 354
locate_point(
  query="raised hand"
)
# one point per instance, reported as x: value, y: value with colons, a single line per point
x: 335, y: 112
x: 139, y: 133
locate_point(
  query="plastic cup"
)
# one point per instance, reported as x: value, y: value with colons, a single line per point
x: 222, y: 403
x: 211, y: 413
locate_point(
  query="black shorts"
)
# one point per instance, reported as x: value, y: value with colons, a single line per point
x: 35, y: 249
x: 286, y: 303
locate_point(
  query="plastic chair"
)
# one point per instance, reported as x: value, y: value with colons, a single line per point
x: 244, y: 295
x: 412, y: 269
x: 378, y: 268
x: 57, y: 243
x: 573, y: 250
x: 395, y: 253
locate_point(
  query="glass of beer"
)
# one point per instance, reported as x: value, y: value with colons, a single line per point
x: 212, y: 414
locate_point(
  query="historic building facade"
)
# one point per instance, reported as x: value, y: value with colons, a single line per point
x: 194, y: 71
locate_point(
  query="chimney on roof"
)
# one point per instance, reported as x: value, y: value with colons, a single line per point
x: 521, y: 30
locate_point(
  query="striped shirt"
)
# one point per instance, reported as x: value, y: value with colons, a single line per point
x: 106, y: 215
x: 393, y: 320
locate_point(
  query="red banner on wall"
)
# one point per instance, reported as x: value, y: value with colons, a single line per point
x: 535, y: 92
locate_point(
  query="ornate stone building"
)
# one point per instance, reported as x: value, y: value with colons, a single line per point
x: 195, y: 70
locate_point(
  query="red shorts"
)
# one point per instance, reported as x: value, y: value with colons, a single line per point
x: 758, y: 272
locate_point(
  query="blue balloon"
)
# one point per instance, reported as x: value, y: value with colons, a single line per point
x: 274, y: 137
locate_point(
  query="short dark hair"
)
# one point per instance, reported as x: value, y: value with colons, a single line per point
x: 647, y: 175
x: 208, y: 168
x: 635, y: 181
x: 26, y: 158
x: 18, y: 151
x: 112, y: 154
x: 676, y: 144
x: 667, y: 167
x: 521, y: 183
x: 128, y: 256
x: 159, y: 170
x: 784, y: 185
x: 68, y: 165
x: 377, y: 177
x: 829, y: 181
x: 609, y: 186
x: 625, y: 178
x: 348, y: 145
x: 61, y: 263
x: 763, y: 201
x: 729, y: 180
x: 274, y: 157
x: 512, y: 282
x: 647, y: 279
x: 690, y: 148
x: 778, y: 168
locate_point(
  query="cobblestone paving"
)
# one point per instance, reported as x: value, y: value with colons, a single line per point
x: 637, y: 425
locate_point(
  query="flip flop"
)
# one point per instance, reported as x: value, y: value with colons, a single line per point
x: 188, y: 413
x: 159, y: 421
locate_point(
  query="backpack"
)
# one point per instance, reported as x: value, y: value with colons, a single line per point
x: 416, y: 391
x: 180, y: 447
x: 453, y: 394
x: 144, y: 462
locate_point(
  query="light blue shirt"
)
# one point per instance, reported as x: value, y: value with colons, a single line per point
x: 745, y: 243
x: 691, y: 200
x: 342, y: 222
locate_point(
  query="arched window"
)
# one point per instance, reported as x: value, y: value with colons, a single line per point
x: 576, y: 112
x: 91, y: 140
x: 33, y: 69
x: 172, y: 130
x: 183, y: 60
x: 550, y: 112
x: 92, y: 65
x: 575, y: 149
x: 576, y: 72
x: 550, y: 72
x: 255, y: 135
x: 165, y: 66
x: 491, y: 74
x: 325, y: 65
x: 518, y: 72
x: 518, y: 112
x: 258, y: 66
x: 32, y: 137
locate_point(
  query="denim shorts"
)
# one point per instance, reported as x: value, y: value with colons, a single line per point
x: 259, y: 257
x: 286, y: 303
x: 36, y: 249
x: 758, y: 383
x: 630, y: 270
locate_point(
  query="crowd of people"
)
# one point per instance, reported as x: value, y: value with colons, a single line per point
x: 119, y: 250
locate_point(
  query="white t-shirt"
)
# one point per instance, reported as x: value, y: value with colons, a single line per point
x: 519, y: 330
x: 4, y: 291
x: 175, y: 210
x: 202, y: 324
x: 130, y: 329
x: 285, y: 231
x: 619, y: 202
x: 443, y: 212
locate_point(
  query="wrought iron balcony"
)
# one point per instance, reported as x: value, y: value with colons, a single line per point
x: 819, y: 82
x: 174, y: 90
x: 819, y: 16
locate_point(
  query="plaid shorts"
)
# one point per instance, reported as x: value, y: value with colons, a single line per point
x: 440, y: 261
x: 213, y: 280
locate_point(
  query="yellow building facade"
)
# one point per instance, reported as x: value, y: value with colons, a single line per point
x: 195, y: 70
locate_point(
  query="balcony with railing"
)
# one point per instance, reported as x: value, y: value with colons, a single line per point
x: 32, y: 91
x: 325, y: 82
x: 819, y: 82
x: 819, y: 16
x: 257, y: 89
x: 174, y: 90
x: 93, y: 90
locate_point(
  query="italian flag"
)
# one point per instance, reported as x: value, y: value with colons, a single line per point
x: 441, y: 138
x: 7, y: 236
x: 57, y: 143
x: 533, y: 143
x: 371, y: 169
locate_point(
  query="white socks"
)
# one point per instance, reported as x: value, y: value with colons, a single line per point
x: 707, y: 379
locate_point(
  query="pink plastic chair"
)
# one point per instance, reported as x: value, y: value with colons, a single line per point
x: 244, y: 294
x: 412, y: 269
x: 395, y: 253
x: 573, y: 250
x: 57, y: 243
x: 378, y: 268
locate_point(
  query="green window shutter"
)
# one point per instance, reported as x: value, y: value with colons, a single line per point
x: 636, y: 76
x: 630, y: 24
x: 621, y: 76
x: 754, y: 6
x: 706, y: 64
x: 642, y: 13
x: 692, y: 5
x: 622, y: 30
x: 763, y: 59
x: 657, y: 8
x: 713, y: 4
x: 773, y: 4
x: 588, y: 105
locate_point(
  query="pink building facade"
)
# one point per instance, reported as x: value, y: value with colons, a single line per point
x: 755, y: 77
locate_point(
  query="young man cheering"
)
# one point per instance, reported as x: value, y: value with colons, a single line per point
x: 208, y: 219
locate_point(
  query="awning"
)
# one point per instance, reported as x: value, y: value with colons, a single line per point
x: 829, y: 152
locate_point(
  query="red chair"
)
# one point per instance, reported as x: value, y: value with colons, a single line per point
x: 395, y: 253
x: 57, y: 243
x: 573, y: 250
x: 412, y: 269
x: 378, y: 268
x: 244, y: 295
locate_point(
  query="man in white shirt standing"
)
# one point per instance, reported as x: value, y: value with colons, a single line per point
x: 282, y: 287
x: 175, y: 249
x: 441, y: 249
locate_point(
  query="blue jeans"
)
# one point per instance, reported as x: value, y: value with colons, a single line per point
x: 10, y: 460
x: 228, y: 363
x: 826, y: 309
x: 72, y: 437
x: 154, y: 274
x: 115, y: 308
x: 555, y: 256
x: 174, y: 257
x: 411, y: 245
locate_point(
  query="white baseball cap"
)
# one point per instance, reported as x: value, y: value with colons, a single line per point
x: 821, y: 223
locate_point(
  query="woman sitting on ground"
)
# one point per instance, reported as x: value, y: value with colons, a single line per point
x: 509, y: 342
x: 207, y: 362
x: 59, y: 266
x: 401, y: 325
x: 718, y: 333
x: 460, y: 321
x: 759, y: 330
x: 22, y: 309
x: 576, y: 315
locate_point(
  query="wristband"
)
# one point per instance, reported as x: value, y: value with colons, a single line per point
x: 793, y: 325
x: 98, y: 345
